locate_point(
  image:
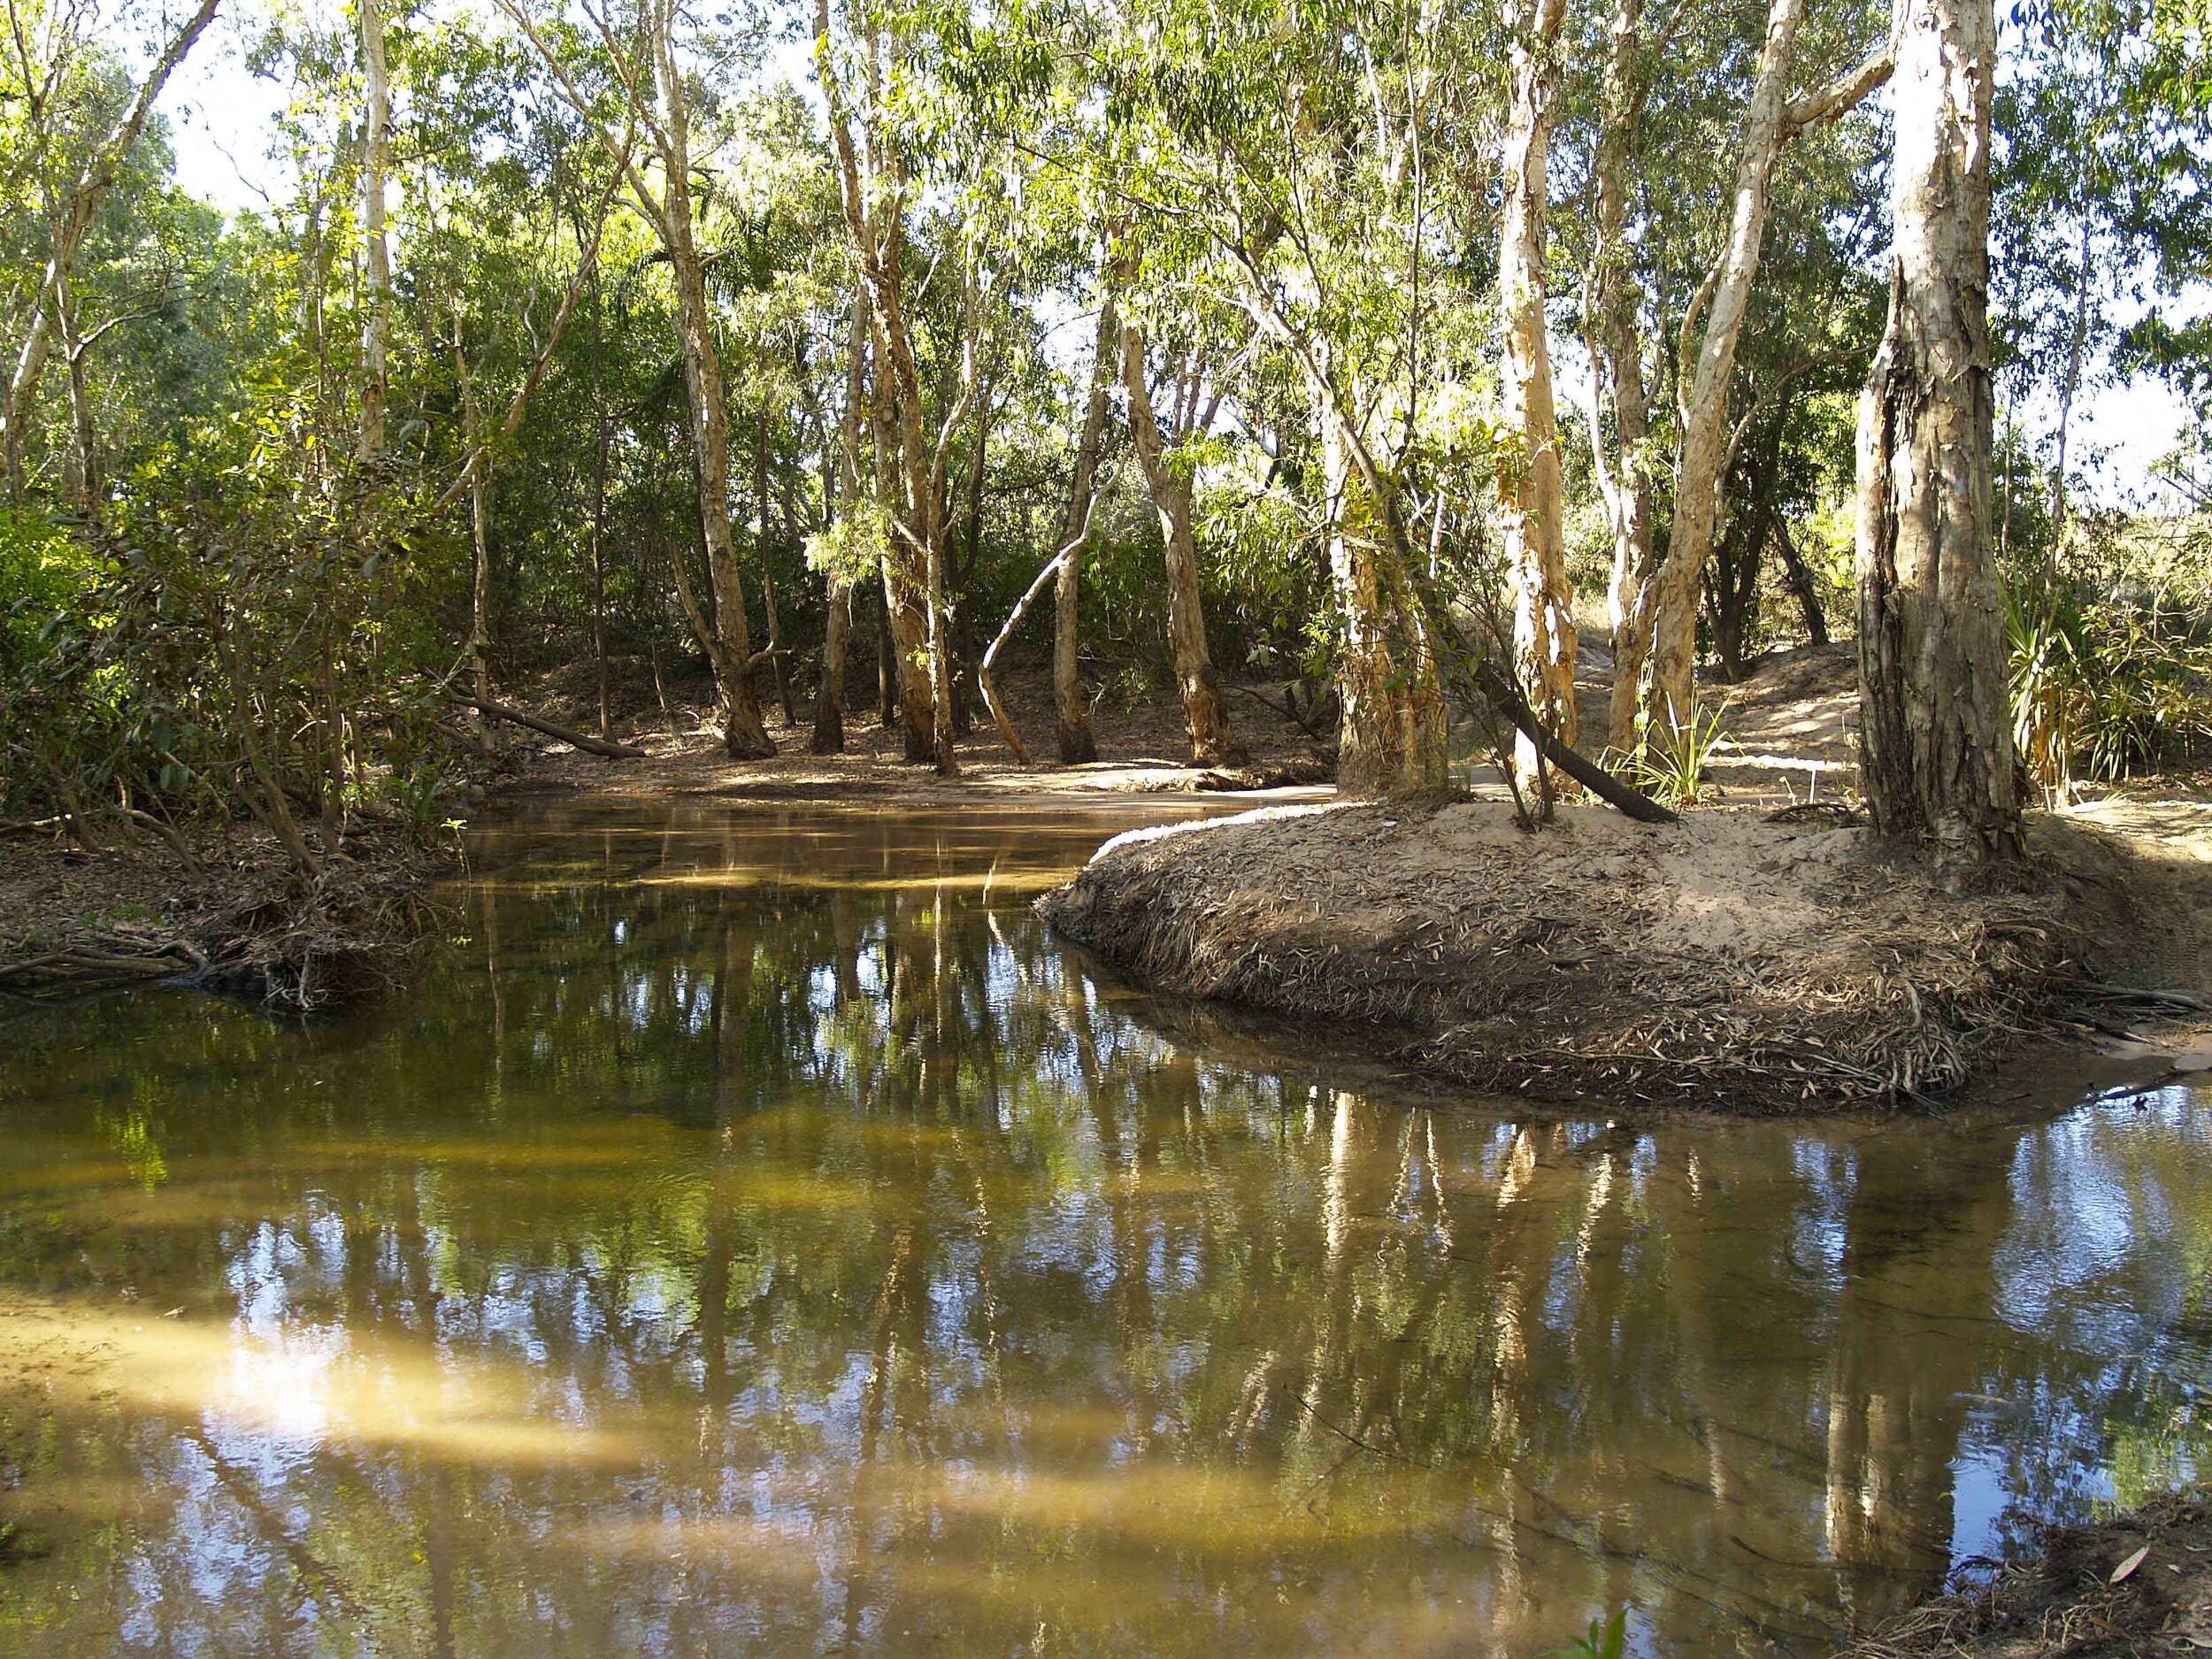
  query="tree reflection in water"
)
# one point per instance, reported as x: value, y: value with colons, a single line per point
x: 759, y: 1237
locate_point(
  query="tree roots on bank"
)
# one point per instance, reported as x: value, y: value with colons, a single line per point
x: 240, y: 922
x: 1728, y: 962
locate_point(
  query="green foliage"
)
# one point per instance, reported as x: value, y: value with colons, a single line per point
x: 853, y: 547
x: 1606, y: 1638
x: 1676, y: 763
x: 2110, y: 674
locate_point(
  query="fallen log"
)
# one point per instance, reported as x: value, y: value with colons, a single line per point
x: 590, y: 745
x: 1620, y: 797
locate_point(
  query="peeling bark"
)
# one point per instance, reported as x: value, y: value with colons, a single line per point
x: 1205, y: 719
x: 1072, y: 706
x: 1771, y: 120
x: 1936, y: 751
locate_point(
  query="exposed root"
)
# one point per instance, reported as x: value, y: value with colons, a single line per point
x: 244, y: 925
x: 2063, y: 1604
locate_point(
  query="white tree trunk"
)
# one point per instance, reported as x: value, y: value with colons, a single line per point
x: 1205, y: 721
x: 1610, y: 306
x: 1535, y: 495
x: 376, y: 311
x: 67, y: 233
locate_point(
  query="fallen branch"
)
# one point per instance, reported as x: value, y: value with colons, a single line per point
x: 1021, y: 608
x: 588, y: 744
x: 1479, y: 675
x: 1509, y: 702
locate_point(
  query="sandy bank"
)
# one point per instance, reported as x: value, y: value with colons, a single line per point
x: 1739, y: 960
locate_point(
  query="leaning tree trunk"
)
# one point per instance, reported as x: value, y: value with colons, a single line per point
x: 1936, y: 749
x: 1669, y: 692
x: 1535, y: 503
x: 1205, y: 719
x: 1073, y: 707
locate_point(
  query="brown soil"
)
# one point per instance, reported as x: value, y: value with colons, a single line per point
x: 236, y: 919
x: 2065, y: 1605
x: 1141, y: 748
x: 1736, y: 960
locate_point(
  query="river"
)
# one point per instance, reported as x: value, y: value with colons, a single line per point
x: 752, y: 1234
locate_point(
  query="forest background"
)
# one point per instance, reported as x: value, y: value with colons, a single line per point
x: 777, y: 354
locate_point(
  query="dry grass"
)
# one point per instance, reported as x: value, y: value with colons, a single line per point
x: 236, y: 919
x: 1733, y: 961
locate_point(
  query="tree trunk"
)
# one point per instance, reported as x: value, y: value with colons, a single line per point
x: 480, y: 548
x: 1801, y: 583
x: 873, y: 199
x: 1935, y: 751
x: 1393, y: 726
x: 1616, y: 356
x: 1071, y: 704
x: 602, y: 435
x: 729, y: 646
x: 887, y: 667
x: 1770, y: 121
x: 376, y: 312
x: 1534, y: 519
x: 88, y: 469
x: 67, y: 232
x: 2072, y: 383
x: 829, y: 701
x: 906, y: 630
x: 767, y: 572
x: 1205, y: 720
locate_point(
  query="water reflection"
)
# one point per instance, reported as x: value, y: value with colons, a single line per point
x: 757, y: 1236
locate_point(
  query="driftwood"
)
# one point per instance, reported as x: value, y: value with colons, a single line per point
x: 588, y: 744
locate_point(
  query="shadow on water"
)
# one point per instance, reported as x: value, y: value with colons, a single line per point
x: 756, y: 1235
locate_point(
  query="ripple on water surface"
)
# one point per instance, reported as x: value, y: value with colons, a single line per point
x: 754, y: 1235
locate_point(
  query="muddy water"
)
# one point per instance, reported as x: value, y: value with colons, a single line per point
x: 752, y: 1234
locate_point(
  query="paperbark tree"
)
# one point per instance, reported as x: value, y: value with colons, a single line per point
x: 376, y: 310
x: 829, y: 700
x: 1205, y: 719
x: 1936, y: 748
x: 1534, y: 504
x: 1072, y: 706
x: 873, y: 187
x: 1771, y: 120
x: 656, y: 100
x: 1610, y: 305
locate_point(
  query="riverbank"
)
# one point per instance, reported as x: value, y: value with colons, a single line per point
x: 2140, y: 1583
x: 217, y: 907
x: 1751, y: 960
x: 220, y: 905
